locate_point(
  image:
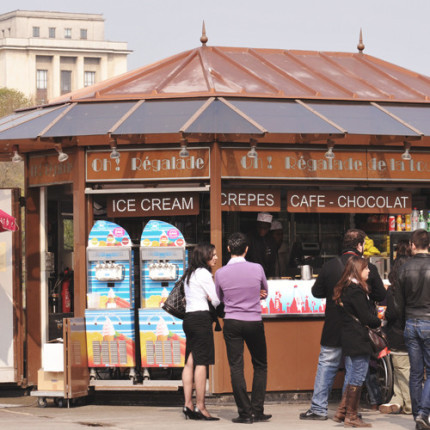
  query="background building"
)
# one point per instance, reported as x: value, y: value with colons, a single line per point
x: 47, y: 54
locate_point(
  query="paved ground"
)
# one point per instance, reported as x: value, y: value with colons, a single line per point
x: 22, y: 412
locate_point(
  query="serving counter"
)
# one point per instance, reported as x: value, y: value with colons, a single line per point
x: 293, y: 321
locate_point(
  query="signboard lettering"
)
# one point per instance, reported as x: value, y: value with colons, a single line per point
x: 147, y: 164
x: 46, y: 170
x: 349, y: 201
x: 153, y: 205
x: 251, y: 201
x: 311, y: 164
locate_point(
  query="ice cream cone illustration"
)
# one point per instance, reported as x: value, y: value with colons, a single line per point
x: 164, y: 295
x: 108, y: 330
x: 162, y: 331
x: 164, y: 240
x: 111, y: 304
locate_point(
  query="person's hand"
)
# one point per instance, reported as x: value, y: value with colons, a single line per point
x: 263, y: 294
x: 209, y: 299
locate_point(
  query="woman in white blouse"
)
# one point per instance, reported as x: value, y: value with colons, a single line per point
x: 200, y: 351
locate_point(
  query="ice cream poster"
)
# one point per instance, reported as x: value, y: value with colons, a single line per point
x: 110, y: 338
x: 290, y: 297
x: 106, y: 233
x: 162, y: 340
x: 160, y: 233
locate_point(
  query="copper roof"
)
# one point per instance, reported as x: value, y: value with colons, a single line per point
x: 263, y: 73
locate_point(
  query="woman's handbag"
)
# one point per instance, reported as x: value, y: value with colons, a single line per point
x: 175, y: 302
x: 377, y: 337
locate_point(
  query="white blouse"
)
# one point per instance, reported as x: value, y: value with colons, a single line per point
x: 200, y: 287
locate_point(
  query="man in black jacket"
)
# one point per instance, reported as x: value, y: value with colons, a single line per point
x: 331, y: 349
x: 412, y: 298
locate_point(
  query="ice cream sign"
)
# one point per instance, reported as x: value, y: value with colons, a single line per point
x: 150, y: 205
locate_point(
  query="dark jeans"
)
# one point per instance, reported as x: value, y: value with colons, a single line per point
x: 252, y: 332
x: 417, y: 339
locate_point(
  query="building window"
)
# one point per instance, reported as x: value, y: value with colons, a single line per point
x: 67, y: 33
x: 66, y: 81
x: 42, y: 79
x: 36, y: 31
x: 41, y: 86
x: 89, y: 78
x: 52, y: 32
x: 84, y: 33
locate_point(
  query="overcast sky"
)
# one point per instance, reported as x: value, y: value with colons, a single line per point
x: 397, y: 31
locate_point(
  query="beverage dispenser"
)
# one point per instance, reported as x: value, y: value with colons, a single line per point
x: 162, y: 263
x: 109, y: 317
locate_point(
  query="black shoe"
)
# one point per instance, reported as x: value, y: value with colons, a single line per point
x: 422, y: 421
x: 243, y: 420
x: 309, y: 415
x: 261, y: 417
x: 189, y: 414
x: 200, y: 416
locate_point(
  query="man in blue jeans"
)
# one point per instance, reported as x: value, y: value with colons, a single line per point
x: 412, y: 298
x: 240, y: 285
x: 331, y: 350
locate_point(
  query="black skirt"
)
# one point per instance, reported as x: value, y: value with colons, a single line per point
x: 200, y: 338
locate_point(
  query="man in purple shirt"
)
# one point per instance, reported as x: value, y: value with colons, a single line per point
x: 240, y: 285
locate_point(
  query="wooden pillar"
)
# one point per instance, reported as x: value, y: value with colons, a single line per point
x: 215, y: 200
x: 18, y: 288
x: 80, y: 234
x: 32, y: 253
x: 220, y: 370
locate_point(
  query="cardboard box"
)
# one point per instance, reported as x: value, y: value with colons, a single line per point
x: 53, y: 357
x: 50, y: 381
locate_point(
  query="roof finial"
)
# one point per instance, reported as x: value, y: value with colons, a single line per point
x: 360, y: 45
x: 204, y: 38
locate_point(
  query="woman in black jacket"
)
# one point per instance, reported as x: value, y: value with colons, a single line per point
x: 351, y: 293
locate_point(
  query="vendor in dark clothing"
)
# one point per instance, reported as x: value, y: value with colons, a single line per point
x: 262, y: 246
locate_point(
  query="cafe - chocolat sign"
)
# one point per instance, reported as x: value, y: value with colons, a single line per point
x: 349, y: 201
x: 371, y: 165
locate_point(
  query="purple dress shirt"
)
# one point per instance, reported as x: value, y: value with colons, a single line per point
x: 238, y: 286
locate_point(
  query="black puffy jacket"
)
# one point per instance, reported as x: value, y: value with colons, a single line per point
x: 413, y: 293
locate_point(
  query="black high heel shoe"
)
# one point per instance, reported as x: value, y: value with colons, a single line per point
x: 200, y: 416
x: 189, y: 414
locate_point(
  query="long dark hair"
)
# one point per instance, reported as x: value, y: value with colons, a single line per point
x: 202, y: 253
x: 353, y: 269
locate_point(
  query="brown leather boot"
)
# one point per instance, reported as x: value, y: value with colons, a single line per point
x: 340, y: 414
x: 353, y: 393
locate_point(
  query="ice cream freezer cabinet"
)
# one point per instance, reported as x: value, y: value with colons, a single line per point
x: 110, y: 314
x: 162, y: 262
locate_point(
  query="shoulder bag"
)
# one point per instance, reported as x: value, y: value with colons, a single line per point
x: 377, y: 337
x: 175, y: 302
